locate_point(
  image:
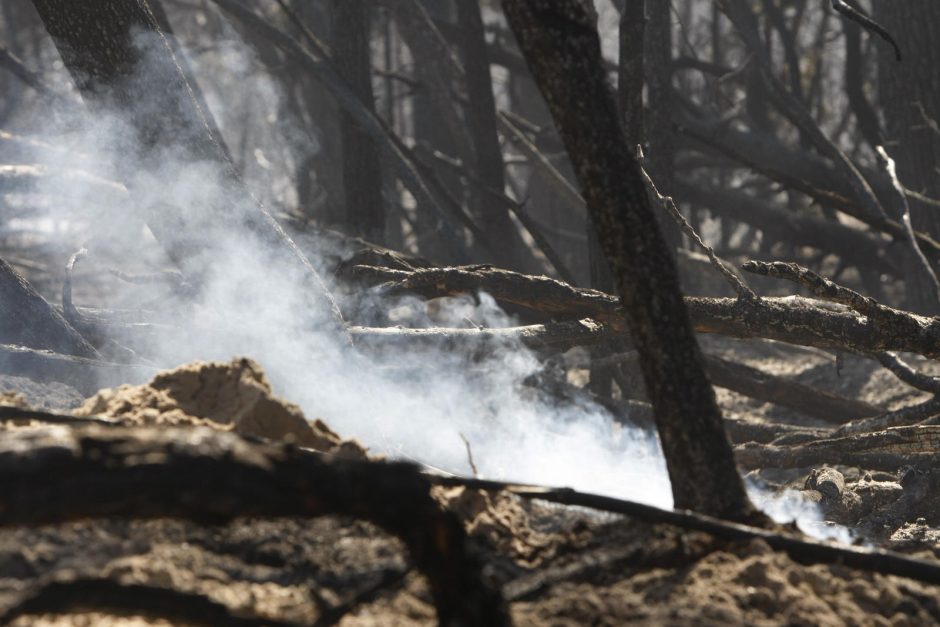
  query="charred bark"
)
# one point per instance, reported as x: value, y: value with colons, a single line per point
x: 561, y: 45
x: 481, y: 118
x: 362, y: 174
x: 27, y: 319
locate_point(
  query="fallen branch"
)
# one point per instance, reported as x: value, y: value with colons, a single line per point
x: 25, y: 415
x: 83, y: 374
x: 791, y: 319
x: 54, y: 476
x: 882, y: 450
x: 799, y: 549
x: 786, y: 392
x: 86, y: 594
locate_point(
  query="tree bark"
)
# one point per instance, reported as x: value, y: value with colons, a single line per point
x: 362, y: 174
x: 560, y: 42
x: 481, y: 118
x: 909, y: 95
x: 26, y: 319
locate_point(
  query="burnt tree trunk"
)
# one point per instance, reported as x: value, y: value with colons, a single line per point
x: 481, y: 118
x: 660, y: 136
x: 122, y: 61
x: 630, y: 101
x: 561, y: 45
x: 909, y: 95
x: 362, y: 176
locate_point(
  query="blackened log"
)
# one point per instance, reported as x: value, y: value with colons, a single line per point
x: 55, y: 476
x: 121, y: 60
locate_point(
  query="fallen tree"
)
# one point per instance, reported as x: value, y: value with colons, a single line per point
x: 791, y: 319
x: 53, y: 476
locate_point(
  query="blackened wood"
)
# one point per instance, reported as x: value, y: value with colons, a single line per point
x: 791, y: 319
x: 84, y: 594
x: 560, y: 42
x: 480, y: 114
x: 362, y: 173
x: 27, y: 319
x: 798, y: 548
x: 84, y: 374
x: 881, y: 450
x: 211, y: 477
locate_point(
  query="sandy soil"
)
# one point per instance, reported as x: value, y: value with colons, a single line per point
x: 555, y: 565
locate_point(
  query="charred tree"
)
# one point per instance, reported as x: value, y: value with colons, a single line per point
x: 909, y: 96
x: 560, y: 42
x: 362, y: 175
x: 122, y: 61
x: 630, y: 81
x: 657, y: 69
x: 481, y: 118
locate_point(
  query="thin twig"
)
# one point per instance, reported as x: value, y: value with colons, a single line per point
x: 473, y: 466
x: 890, y: 168
x: 903, y: 371
x: 800, y: 549
x: 669, y: 205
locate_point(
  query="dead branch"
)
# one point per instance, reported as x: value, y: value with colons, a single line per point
x: 786, y: 392
x: 58, y: 475
x: 26, y: 318
x: 782, y: 391
x: 792, y: 319
x: 669, y: 206
x: 14, y: 65
x: 889, y: 166
x: 903, y: 371
x: 84, y: 374
x: 867, y: 23
x: 21, y: 415
x: 882, y: 450
x: 84, y: 594
x: 798, y: 548
x: 556, y: 337
x: 906, y: 416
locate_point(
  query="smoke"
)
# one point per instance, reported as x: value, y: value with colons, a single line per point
x: 419, y: 403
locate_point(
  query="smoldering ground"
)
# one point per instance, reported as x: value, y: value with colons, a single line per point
x: 423, y: 403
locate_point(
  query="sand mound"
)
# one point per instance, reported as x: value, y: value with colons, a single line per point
x: 233, y: 396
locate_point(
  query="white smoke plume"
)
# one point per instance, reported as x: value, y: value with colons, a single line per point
x: 417, y: 404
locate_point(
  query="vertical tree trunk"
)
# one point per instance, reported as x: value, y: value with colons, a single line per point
x: 659, y: 129
x: 362, y: 176
x: 481, y: 118
x: 630, y: 79
x: 121, y: 61
x: 560, y: 42
x: 909, y: 95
